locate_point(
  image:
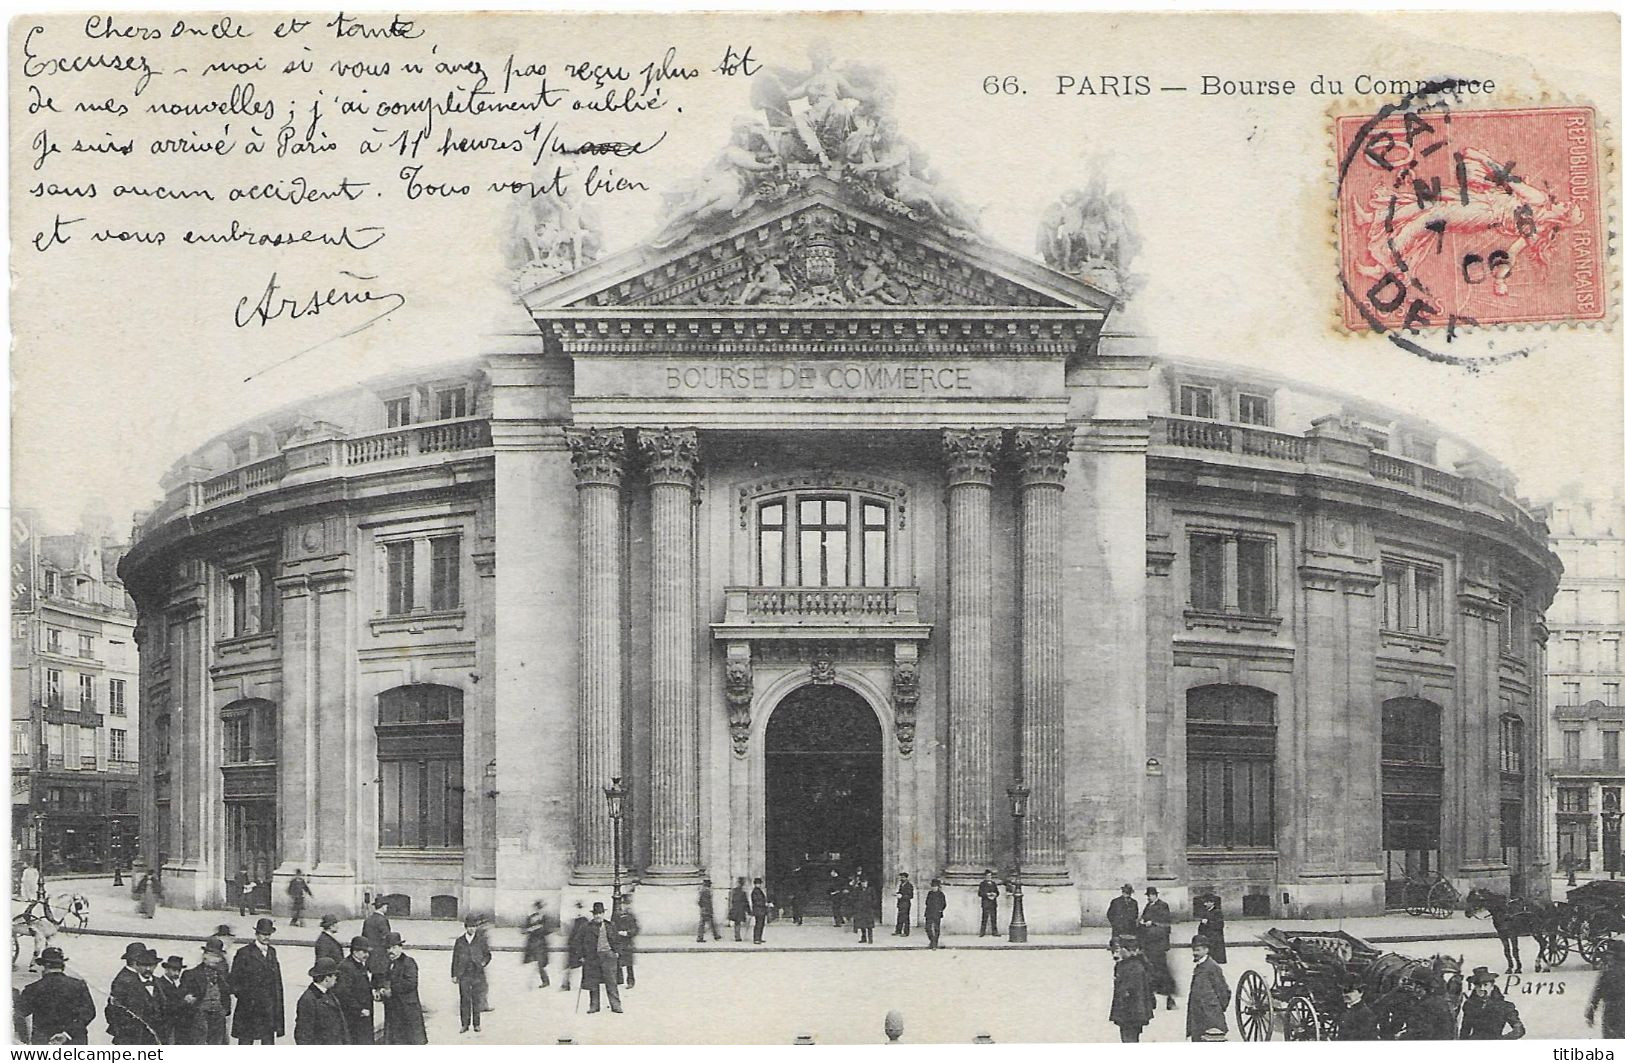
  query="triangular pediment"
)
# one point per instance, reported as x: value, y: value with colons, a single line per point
x: 824, y: 252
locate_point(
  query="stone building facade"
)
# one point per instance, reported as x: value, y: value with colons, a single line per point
x: 818, y: 568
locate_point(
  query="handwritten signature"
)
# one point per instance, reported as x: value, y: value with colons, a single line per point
x: 273, y: 305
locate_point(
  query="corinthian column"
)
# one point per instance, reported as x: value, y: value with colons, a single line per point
x: 1042, y: 456
x: 599, y: 457
x: 674, y: 842
x: 970, y: 455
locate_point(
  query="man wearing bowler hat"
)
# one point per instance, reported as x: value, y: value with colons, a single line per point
x: 318, y: 1019
x: 403, y: 1011
x: 1486, y: 1015
x: 256, y: 980
x: 327, y: 943
x: 59, y: 1004
x: 469, y: 956
x: 988, y: 891
x: 594, y: 942
x: 375, y: 928
x: 206, y: 992
x: 135, y: 1011
x: 1123, y: 913
x: 354, y: 991
x: 177, y: 1016
x: 1210, y: 995
x: 1359, y: 1019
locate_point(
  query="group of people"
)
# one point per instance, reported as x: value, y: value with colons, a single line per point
x: 1137, y: 982
x: 600, y: 948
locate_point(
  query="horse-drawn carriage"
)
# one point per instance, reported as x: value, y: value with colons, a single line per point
x: 1593, y: 916
x: 1431, y: 894
x: 1310, y: 968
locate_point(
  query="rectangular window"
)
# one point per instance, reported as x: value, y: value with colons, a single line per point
x: 21, y: 748
x: 1610, y: 694
x: 874, y: 544
x: 52, y: 583
x: 1429, y: 602
x: 1514, y: 625
x: 1610, y: 749
x: 451, y: 403
x: 1393, y: 597
x: 1571, y: 693
x: 1207, y: 573
x: 771, y: 544
x: 117, y: 744
x: 118, y: 800
x: 1571, y: 747
x: 822, y: 523
x: 400, y: 576
x: 1195, y: 401
x: 1412, y: 598
x: 237, y: 593
x: 238, y: 735
x: 398, y: 412
x: 1253, y: 409
x: 85, y: 646
x: 1567, y: 607
x: 1512, y: 745
x: 53, y: 640
x: 1230, y: 802
x: 420, y: 803
x: 53, y: 688
x: 1255, y: 593
x: 1568, y: 656
x: 70, y: 748
x: 87, y: 748
x: 268, y: 596
x: 87, y: 693
x: 1610, y: 608
x: 1573, y: 845
x: 444, y: 570
x: 1573, y: 799
x: 1610, y: 656
x: 1424, y: 450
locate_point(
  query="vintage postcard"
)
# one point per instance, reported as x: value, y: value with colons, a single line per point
x: 816, y: 528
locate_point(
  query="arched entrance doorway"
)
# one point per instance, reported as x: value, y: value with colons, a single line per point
x: 824, y: 792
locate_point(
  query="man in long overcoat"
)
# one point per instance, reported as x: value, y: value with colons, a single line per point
x: 403, y: 1011
x: 1156, y: 931
x: 327, y: 944
x: 537, y: 926
x: 988, y: 892
x: 738, y: 908
x: 1358, y: 1022
x: 375, y: 928
x: 593, y: 945
x: 1133, y: 1003
x: 571, y: 960
x: 626, y: 942
x: 1486, y: 1015
x: 905, y: 906
x: 1609, y: 992
x: 758, y: 910
x: 1123, y: 914
x: 59, y: 1005
x: 177, y: 1015
x: 318, y: 1019
x: 936, y: 903
x: 1433, y: 1016
x: 1210, y: 913
x: 256, y: 980
x: 206, y: 991
x: 1210, y: 995
x: 354, y: 991
x: 708, y: 912
x: 469, y: 956
x: 135, y: 1010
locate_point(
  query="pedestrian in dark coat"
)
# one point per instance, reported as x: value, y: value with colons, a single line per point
x: 758, y: 910
x: 242, y: 885
x: 1133, y: 1003
x: 537, y: 926
x: 1486, y: 1015
x: 1359, y: 1019
x: 988, y: 892
x: 354, y: 992
x: 298, y: 893
x: 403, y: 1011
x: 1210, y: 924
x: 135, y: 1011
x: 626, y: 929
x: 375, y: 928
x: 206, y: 991
x: 708, y: 912
x: 256, y: 981
x: 60, y: 1006
x: 571, y: 960
x: 738, y: 908
x: 1156, y: 931
x: 594, y: 944
x: 863, y: 913
x: 177, y: 1016
x: 1609, y: 992
x: 318, y: 1019
x: 1123, y: 913
x: 1210, y: 996
x: 837, y: 897
x: 469, y: 955
x: 1433, y: 1016
x: 936, y: 903
x: 905, y: 906
x: 327, y: 943
x: 146, y: 893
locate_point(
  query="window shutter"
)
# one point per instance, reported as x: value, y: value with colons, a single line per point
x: 251, y: 590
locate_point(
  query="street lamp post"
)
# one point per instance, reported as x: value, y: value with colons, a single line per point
x: 1018, y: 812
x: 1610, y: 841
x: 615, y: 797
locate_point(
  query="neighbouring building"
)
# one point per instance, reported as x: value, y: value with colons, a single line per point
x: 820, y: 523
x: 1584, y: 673
x: 75, y: 700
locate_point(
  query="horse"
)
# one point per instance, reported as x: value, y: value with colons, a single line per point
x: 41, y: 924
x: 1515, y: 917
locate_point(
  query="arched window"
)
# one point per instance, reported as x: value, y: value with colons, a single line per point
x: 248, y: 731
x: 823, y: 539
x: 1412, y: 791
x: 1229, y: 767
x: 420, y: 767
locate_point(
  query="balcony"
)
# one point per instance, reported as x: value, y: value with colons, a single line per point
x: 123, y: 767
x: 1585, y: 766
x: 21, y: 762
x: 87, y: 763
x: 821, y: 612
x: 1591, y: 710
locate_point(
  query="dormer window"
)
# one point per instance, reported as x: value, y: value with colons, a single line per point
x: 451, y: 403
x: 1253, y: 409
x: 398, y: 412
x: 1195, y: 401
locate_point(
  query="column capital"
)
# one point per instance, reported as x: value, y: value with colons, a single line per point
x: 672, y: 454
x: 970, y: 454
x: 598, y: 455
x: 1042, y: 455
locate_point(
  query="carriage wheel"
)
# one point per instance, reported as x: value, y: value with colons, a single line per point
x: 1416, y: 898
x: 1302, y: 1021
x: 1594, y: 946
x: 1557, y: 949
x: 1441, y: 900
x: 1254, y: 1009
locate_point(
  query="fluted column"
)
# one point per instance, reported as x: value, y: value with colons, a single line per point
x: 970, y: 455
x: 672, y: 456
x: 599, y: 458
x: 1042, y: 455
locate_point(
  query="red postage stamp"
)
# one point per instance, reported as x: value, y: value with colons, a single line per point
x: 1451, y: 218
